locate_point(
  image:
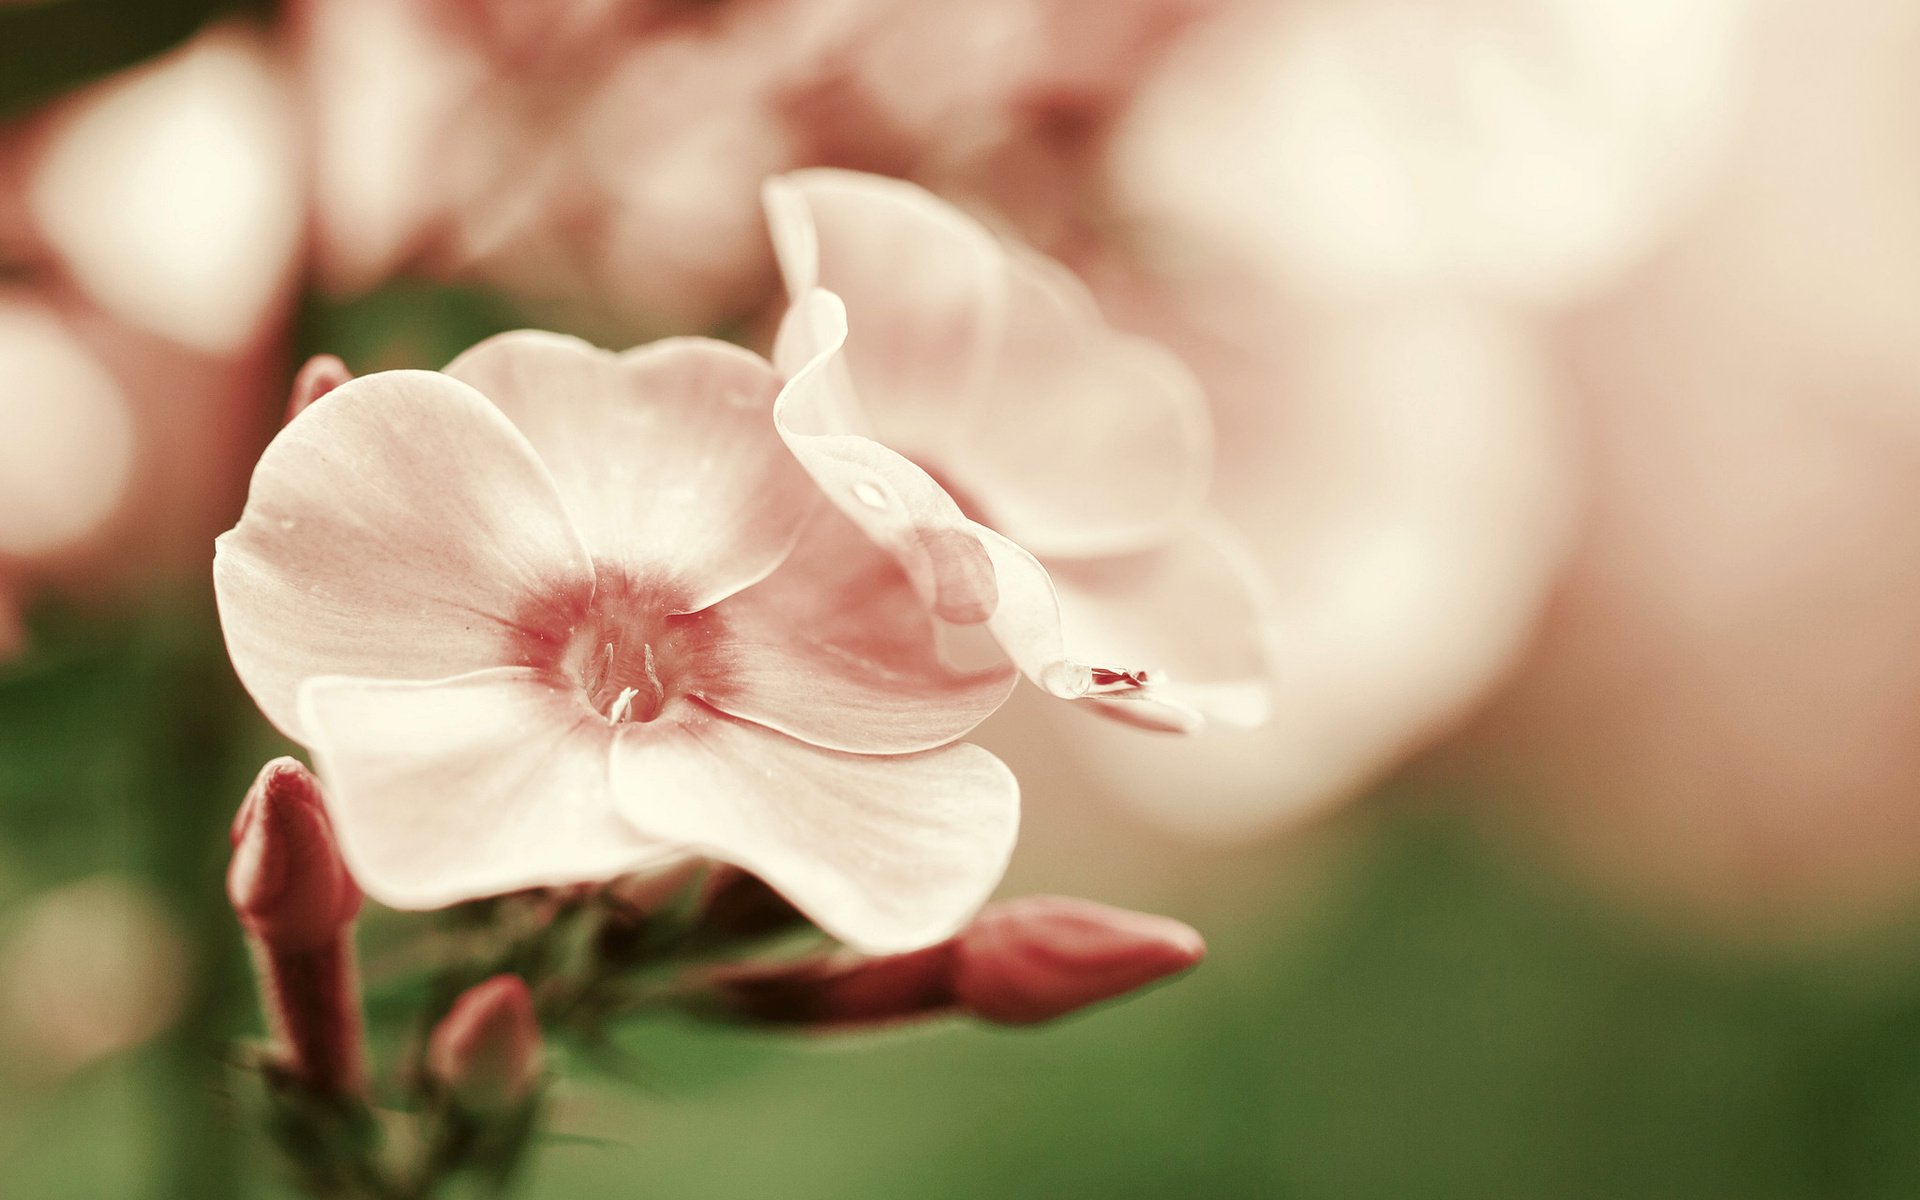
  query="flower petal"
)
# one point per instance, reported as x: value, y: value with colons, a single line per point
x: 893, y: 501
x: 400, y: 528
x: 888, y: 854
x: 460, y: 788
x: 992, y: 366
x: 835, y: 649
x: 1087, y: 442
x: 1168, y: 639
x: 665, y: 455
x: 928, y: 285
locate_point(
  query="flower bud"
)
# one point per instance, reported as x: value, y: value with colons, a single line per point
x: 287, y: 881
x: 321, y: 374
x: 839, y: 991
x: 1040, y: 957
x: 297, y: 902
x: 486, y: 1051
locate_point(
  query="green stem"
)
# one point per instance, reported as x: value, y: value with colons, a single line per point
x: 191, y: 781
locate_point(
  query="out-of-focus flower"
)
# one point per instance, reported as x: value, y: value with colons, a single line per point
x: 606, y: 156
x: 987, y: 421
x: 558, y: 614
x: 171, y: 194
x: 1021, y: 962
x: 297, y: 902
x: 1003, y: 104
x: 65, y: 461
x: 88, y: 970
x: 1525, y: 149
x: 1407, y: 480
x: 149, y: 227
x: 590, y: 154
x: 485, y: 1052
x: 1724, y: 707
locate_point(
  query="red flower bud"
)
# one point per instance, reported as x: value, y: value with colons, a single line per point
x: 297, y: 903
x: 321, y: 374
x: 287, y: 881
x: 486, y: 1051
x: 837, y: 991
x: 1040, y: 957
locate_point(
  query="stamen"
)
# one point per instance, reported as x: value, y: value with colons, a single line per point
x: 653, y: 679
x: 622, y: 710
x: 605, y: 669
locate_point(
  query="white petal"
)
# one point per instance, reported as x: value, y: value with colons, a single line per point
x: 400, y: 528
x: 835, y: 649
x: 461, y: 788
x: 893, y: 501
x: 888, y: 854
x: 1169, y: 639
x: 1086, y: 441
x: 925, y: 284
x: 666, y: 456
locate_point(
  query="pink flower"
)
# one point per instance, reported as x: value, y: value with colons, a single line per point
x: 558, y: 614
x: 1030, y: 468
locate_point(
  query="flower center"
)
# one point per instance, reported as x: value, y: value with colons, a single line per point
x: 631, y: 656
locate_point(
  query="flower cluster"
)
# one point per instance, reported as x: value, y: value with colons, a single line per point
x: 554, y: 615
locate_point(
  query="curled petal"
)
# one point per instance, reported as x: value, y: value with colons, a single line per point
x: 888, y: 854
x: 835, y: 649
x: 1168, y: 639
x: 893, y: 501
x: 665, y: 456
x: 460, y: 788
x: 401, y: 528
x: 1088, y: 442
x: 927, y: 284
x: 992, y: 365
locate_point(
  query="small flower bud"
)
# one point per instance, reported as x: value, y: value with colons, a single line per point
x: 486, y: 1051
x: 1040, y: 957
x: 321, y: 374
x: 297, y: 902
x: 839, y: 991
x: 287, y: 881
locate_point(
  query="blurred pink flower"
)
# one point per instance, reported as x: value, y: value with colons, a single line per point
x: 1005, y: 104
x: 1521, y: 149
x: 558, y: 614
x: 595, y: 155
x: 1029, y: 467
x: 151, y: 225
x: 606, y: 155
x: 1724, y: 705
x: 1406, y: 479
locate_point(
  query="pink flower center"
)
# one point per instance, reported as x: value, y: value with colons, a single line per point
x: 632, y: 657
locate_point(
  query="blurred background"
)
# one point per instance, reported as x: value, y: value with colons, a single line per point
x: 1565, y: 361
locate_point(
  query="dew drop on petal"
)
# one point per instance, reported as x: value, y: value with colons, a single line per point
x: 1066, y: 679
x: 870, y: 495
